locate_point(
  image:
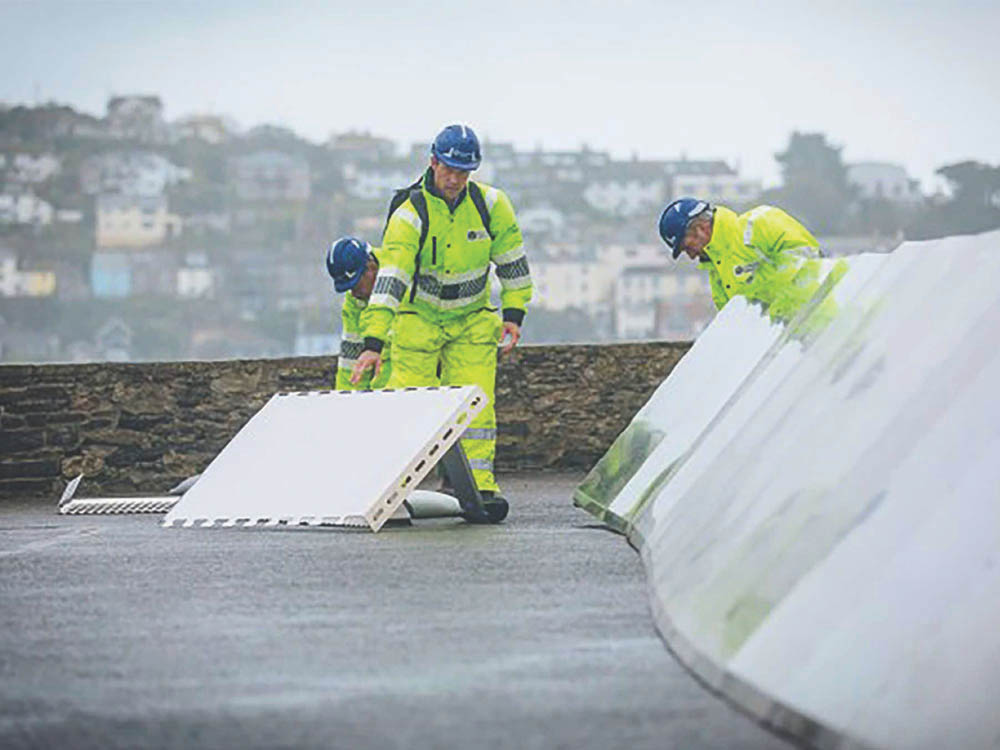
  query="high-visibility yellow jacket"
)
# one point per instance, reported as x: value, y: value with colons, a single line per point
x: 449, y: 278
x: 764, y: 255
x: 351, y: 345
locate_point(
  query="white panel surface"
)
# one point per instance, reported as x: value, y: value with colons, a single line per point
x: 725, y: 361
x: 342, y: 457
x: 825, y: 552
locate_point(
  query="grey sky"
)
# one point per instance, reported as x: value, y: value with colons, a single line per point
x: 914, y: 83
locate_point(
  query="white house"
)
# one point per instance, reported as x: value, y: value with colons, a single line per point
x: 271, y: 175
x: 32, y: 168
x: 563, y: 283
x: 541, y: 219
x: 880, y: 180
x: 139, y: 173
x: 727, y: 189
x: 195, y: 279
x: 25, y: 208
x: 134, y: 221
x: 15, y: 282
x: 208, y: 128
x: 375, y: 182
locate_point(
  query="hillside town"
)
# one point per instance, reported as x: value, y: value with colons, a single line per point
x: 131, y: 237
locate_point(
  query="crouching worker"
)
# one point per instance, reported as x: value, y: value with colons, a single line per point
x: 764, y: 255
x: 353, y: 265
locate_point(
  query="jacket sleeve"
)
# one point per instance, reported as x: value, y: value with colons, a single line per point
x: 350, y: 345
x: 781, y: 237
x: 719, y: 296
x: 397, y: 260
x: 507, y: 254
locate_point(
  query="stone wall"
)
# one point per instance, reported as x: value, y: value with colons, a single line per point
x: 133, y: 428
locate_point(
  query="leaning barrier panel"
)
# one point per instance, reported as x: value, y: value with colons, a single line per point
x: 825, y: 550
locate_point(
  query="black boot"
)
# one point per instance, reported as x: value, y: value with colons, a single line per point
x: 495, y: 504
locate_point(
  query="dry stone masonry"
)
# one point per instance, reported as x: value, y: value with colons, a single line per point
x: 143, y: 427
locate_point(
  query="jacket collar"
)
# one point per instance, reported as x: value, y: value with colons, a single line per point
x: 723, y: 222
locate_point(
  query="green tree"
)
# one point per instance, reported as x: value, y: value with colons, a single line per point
x: 974, y: 205
x: 814, y: 186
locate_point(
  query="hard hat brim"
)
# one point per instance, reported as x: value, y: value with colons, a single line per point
x: 346, y: 285
x: 455, y: 164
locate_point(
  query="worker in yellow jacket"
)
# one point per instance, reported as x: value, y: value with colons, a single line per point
x: 353, y: 265
x: 764, y: 254
x: 433, y: 288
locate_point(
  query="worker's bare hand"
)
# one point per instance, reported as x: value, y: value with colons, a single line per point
x: 366, y: 361
x: 513, y: 330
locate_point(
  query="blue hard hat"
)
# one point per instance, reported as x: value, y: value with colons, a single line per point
x: 458, y: 147
x: 346, y: 261
x: 675, y: 219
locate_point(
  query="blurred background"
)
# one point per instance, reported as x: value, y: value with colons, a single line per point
x: 171, y: 174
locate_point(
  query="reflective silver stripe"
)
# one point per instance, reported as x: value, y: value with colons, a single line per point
x: 409, y: 217
x: 508, y: 256
x: 344, y: 363
x: 754, y: 215
x: 451, y: 296
x: 480, y: 433
x: 351, y: 336
x: 481, y: 464
x: 490, y: 197
x: 808, y: 252
x: 390, y: 287
x: 351, y: 349
x: 513, y: 270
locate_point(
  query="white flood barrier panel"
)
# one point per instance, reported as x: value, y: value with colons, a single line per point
x: 345, y: 458
x: 827, y: 551
x: 724, y: 361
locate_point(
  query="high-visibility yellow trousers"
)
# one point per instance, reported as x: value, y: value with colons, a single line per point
x: 466, y: 348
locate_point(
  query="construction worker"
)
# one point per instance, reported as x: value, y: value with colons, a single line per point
x: 353, y: 265
x: 433, y: 288
x: 764, y: 254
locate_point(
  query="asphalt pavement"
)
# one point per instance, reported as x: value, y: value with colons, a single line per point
x: 117, y: 633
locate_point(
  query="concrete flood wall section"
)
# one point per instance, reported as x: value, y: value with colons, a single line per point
x: 143, y: 427
x: 821, y: 530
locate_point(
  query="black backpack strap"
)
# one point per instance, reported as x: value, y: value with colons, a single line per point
x: 398, y: 199
x: 419, y: 201
x: 476, y: 194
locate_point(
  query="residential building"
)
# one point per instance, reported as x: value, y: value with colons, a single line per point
x: 142, y: 173
x: 195, y: 279
x: 25, y: 208
x: 727, y: 189
x: 69, y: 216
x: 881, y: 180
x: 18, y: 282
x: 354, y: 147
x: 134, y: 221
x: 137, y: 118
x: 565, y: 283
x: 110, y: 275
x: 541, y: 220
x: 209, y: 128
x: 271, y: 176
x: 377, y: 181
x: 33, y: 168
x: 626, y: 189
x: 656, y: 298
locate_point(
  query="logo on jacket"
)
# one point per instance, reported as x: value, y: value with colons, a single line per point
x: 477, y: 234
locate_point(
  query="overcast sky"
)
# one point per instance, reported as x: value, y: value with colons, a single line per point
x: 914, y: 83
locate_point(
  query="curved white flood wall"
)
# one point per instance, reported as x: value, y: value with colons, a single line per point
x: 821, y: 532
